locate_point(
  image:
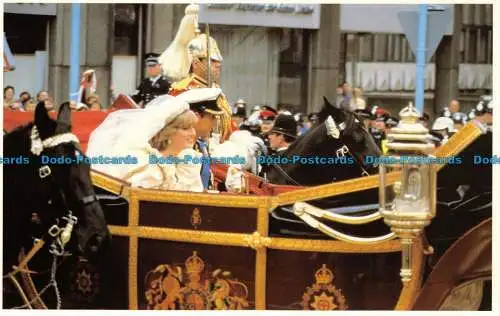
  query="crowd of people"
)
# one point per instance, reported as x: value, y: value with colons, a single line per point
x: 268, y: 122
x: 27, y: 103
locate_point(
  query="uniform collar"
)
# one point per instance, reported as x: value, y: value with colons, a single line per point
x: 154, y: 79
x: 282, y: 149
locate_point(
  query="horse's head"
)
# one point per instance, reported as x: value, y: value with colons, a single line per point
x: 351, y: 132
x: 333, y: 150
x: 59, y: 179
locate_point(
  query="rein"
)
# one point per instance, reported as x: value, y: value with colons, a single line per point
x: 59, y: 236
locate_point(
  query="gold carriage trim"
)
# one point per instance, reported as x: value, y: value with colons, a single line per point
x: 194, y: 288
x: 323, y: 295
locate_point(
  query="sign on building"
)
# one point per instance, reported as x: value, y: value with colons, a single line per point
x: 31, y: 8
x: 303, y: 16
x: 380, y: 18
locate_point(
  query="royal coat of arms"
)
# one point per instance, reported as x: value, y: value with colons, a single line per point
x: 323, y: 295
x: 192, y: 288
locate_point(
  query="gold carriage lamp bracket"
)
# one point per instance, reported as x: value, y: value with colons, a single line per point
x: 409, y: 204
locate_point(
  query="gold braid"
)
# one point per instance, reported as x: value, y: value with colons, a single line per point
x: 226, y: 116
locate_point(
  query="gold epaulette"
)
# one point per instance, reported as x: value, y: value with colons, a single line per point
x: 190, y: 82
x: 226, y: 117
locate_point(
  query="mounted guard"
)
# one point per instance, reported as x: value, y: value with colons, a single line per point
x: 193, y: 60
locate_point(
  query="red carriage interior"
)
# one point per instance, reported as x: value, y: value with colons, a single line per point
x: 85, y: 122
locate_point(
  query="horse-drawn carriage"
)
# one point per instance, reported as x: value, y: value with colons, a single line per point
x: 322, y: 247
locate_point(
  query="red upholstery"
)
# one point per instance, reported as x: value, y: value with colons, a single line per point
x: 83, y: 123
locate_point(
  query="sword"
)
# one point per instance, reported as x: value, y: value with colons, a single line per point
x: 209, y: 62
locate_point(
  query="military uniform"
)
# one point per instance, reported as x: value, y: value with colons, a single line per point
x: 151, y: 88
x: 177, y: 62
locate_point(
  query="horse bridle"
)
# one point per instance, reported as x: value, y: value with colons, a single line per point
x: 60, y: 235
x: 334, y: 131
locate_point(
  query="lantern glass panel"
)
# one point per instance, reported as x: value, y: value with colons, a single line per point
x: 388, y: 188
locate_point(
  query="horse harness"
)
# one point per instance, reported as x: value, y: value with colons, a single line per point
x: 60, y: 235
x: 333, y: 130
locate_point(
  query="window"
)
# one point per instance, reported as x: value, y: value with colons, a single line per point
x: 25, y: 33
x: 476, y: 45
x: 126, y: 18
x: 293, y: 68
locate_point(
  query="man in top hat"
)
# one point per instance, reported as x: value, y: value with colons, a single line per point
x: 154, y: 84
x: 193, y: 60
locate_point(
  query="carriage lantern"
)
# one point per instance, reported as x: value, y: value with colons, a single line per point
x: 407, y: 189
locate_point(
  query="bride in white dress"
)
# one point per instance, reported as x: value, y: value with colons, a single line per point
x: 163, y: 129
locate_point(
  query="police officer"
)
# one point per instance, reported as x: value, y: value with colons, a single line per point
x: 154, y: 85
x: 283, y: 133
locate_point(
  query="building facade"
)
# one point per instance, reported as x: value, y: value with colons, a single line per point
x: 263, y: 64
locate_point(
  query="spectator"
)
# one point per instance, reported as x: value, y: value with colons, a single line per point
x: 93, y: 102
x: 49, y: 104
x: 357, y: 101
x: 42, y: 96
x: 30, y: 105
x: 344, y: 100
x: 340, y: 96
x: 454, y: 106
x: 78, y: 107
x: 8, y: 97
x: 24, y: 97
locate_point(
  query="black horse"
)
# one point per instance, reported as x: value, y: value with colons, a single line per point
x: 333, y: 150
x: 48, y: 200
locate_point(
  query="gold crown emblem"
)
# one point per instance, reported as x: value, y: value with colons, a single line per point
x: 324, y: 275
x: 194, y: 264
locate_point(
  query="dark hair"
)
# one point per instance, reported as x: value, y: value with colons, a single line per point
x: 23, y: 93
x: 288, y: 139
x: 7, y: 88
x: 40, y: 92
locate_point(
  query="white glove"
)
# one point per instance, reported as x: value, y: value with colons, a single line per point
x: 234, y: 179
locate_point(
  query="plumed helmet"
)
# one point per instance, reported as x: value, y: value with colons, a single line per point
x: 446, y: 112
x: 198, y: 48
x: 240, y: 101
x: 176, y: 59
x: 484, y: 106
x: 239, y: 110
x: 472, y: 114
x: 443, y: 123
x: 459, y: 118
